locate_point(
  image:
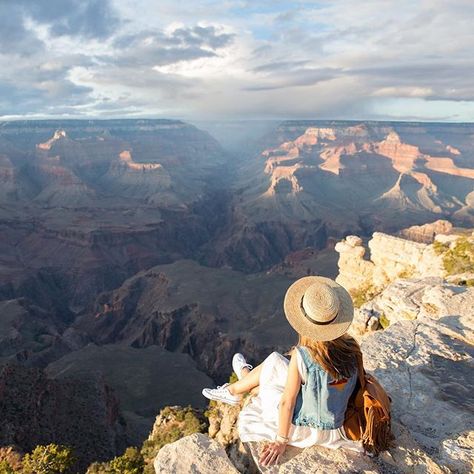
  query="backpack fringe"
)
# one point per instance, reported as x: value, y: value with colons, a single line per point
x: 377, y: 435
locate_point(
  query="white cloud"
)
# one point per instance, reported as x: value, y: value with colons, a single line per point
x: 261, y: 59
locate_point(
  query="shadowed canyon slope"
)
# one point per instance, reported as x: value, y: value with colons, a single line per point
x: 146, y: 244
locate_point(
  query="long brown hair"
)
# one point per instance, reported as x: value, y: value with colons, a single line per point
x: 337, y: 357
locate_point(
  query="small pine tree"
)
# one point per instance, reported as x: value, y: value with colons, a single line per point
x: 50, y: 459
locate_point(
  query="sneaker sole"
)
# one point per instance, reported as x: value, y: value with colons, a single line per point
x: 219, y: 399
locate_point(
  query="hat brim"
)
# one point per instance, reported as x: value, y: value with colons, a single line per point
x: 304, y: 327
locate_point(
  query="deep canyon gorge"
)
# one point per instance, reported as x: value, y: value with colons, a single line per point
x: 133, y: 250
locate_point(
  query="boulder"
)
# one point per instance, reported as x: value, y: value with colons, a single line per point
x: 317, y: 460
x: 196, y: 453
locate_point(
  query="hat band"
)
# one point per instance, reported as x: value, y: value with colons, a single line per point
x: 309, y: 318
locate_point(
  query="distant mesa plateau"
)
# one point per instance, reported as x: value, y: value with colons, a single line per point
x: 135, y: 250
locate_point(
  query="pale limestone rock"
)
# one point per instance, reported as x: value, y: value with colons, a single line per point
x: 360, y: 323
x: 354, y: 270
x: 353, y: 240
x: 195, y: 453
x: 458, y: 453
x: 373, y: 323
x: 318, y: 460
x: 425, y: 363
x: 460, y: 278
x: 393, y: 256
x: 446, y: 239
x: 390, y: 258
x: 406, y: 456
x: 423, y: 359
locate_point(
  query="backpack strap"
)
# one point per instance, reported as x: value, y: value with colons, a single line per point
x: 360, y: 369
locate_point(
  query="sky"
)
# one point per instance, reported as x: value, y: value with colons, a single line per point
x: 230, y: 59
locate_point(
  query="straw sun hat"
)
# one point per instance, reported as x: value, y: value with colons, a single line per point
x: 318, y: 308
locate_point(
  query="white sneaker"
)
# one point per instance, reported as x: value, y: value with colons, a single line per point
x: 221, y: 394
x: 239, y: 363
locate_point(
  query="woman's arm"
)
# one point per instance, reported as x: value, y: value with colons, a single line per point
x: 272, y: 451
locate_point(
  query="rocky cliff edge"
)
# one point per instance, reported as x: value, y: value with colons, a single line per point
x: 421, y: 350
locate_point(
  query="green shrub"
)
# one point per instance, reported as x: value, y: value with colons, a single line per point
x: 384, y: 321
x: 363, y: 294
x: 180, y: 422
x: 458, y: 258
x: 50, y: 459
x: 6, y: 468
x: 439, y: 247
x: 10, y: 460
x: 131, y: 462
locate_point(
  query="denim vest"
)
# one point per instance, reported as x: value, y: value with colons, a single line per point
x: 322, y: 401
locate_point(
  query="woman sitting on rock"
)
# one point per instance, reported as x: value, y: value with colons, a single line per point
x: 301, y: 402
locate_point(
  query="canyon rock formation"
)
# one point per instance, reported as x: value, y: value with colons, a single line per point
x: 390, y: 257
x: 143, y: 243
x: 143, y: 379
x: 83, y: 414
x: 371, y: 173
x: 426, y: 233
x: 185, y: 307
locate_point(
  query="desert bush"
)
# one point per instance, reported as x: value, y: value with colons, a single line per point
x: 363, y: 294
x: 49, y: 459
x: 460, y: 257
x: 10, y: 460
x: 408, y: 272
x: 440, y: 247
x: 457, y: 257
x: 175, y: 423
x: 6, y: 468
x: 130, y: 462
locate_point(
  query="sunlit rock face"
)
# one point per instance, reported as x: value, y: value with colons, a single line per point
x: 343, y: 171
x: 390, y: 257
x: 426, y: 233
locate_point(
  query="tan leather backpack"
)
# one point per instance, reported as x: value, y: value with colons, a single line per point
x: 368, y: 413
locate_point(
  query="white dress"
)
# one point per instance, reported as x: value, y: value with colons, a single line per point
x: 258, y: 420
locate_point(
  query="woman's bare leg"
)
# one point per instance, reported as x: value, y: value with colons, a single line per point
x: 247, y: 382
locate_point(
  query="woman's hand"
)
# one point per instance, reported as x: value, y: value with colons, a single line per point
x: 271, y: 452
